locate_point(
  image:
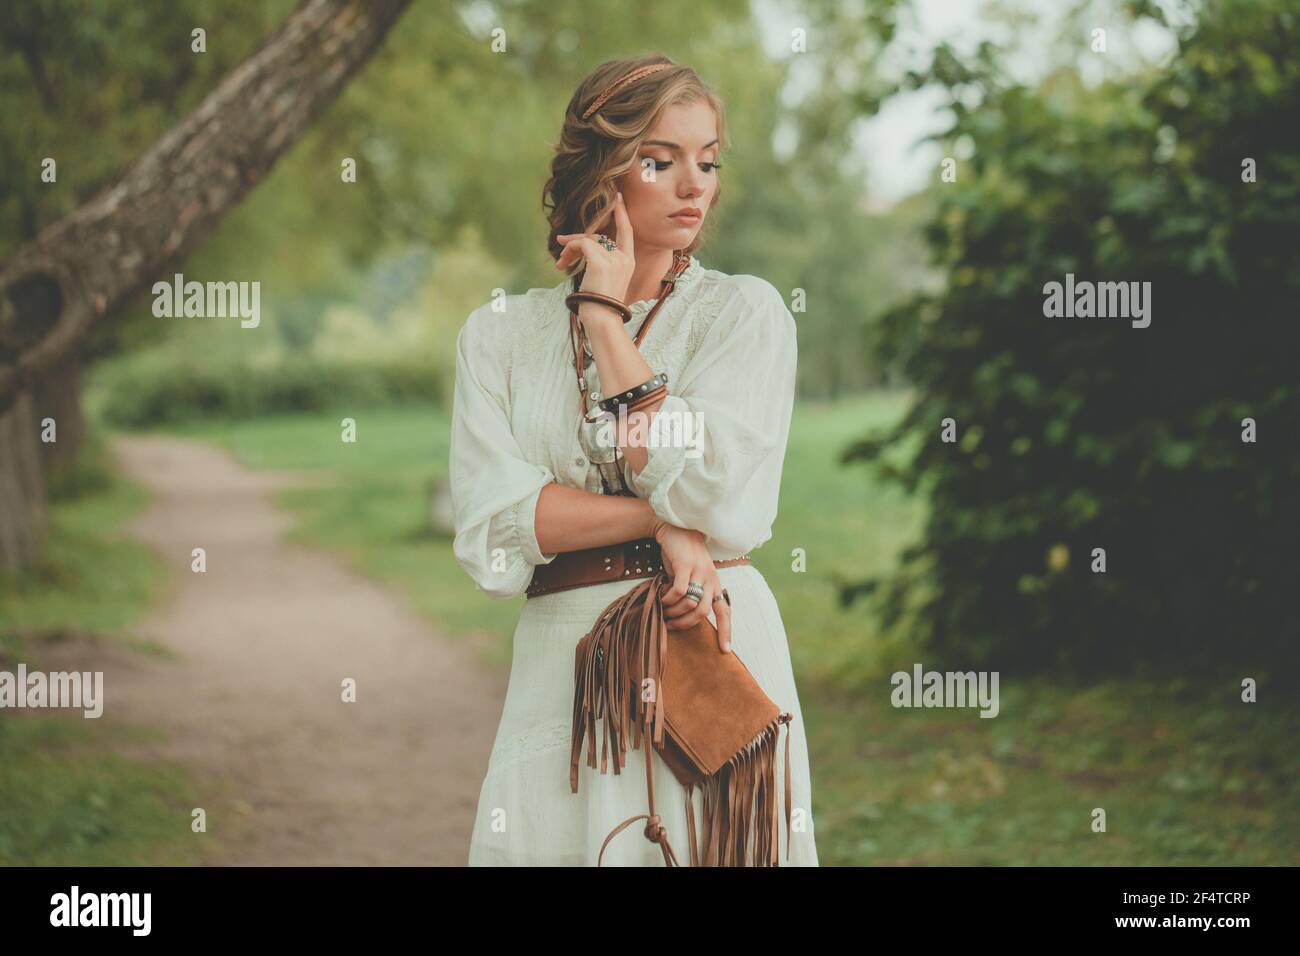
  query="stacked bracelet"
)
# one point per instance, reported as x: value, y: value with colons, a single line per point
x: 574, y: 298
x: 636, y: 397
x: 650, y: 397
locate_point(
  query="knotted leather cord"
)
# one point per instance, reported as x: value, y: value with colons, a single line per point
x: 654, y: 831
x: 577, y: 333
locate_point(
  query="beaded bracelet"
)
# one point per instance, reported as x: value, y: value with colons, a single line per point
x: 612, y: 403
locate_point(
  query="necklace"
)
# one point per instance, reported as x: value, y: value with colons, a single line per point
x: 578, y: 342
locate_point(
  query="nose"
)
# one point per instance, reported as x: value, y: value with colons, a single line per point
x: 697, y: 183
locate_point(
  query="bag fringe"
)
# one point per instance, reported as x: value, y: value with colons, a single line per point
x: 627, y: 645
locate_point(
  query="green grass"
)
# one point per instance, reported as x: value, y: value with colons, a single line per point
x: 1181, y: 783
x: 1186, y: 775
x: 68, y: 801
x: 850, y: 528
x: 65, y: 798
x: 89, y: 578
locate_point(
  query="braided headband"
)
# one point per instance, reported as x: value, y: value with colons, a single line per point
x: 610, y: 90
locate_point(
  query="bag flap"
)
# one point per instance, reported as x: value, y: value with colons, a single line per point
x: 713, y: 707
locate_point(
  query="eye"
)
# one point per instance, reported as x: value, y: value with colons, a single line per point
x: 661, y: 165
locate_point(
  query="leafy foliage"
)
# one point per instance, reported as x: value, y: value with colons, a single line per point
x: 1084, y: 433
x: 452, y: 136
x: 153, y: 393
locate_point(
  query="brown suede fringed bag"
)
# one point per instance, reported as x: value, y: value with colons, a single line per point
x: 706, y: 716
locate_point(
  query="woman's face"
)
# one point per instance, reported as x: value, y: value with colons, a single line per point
x: 673, y: 171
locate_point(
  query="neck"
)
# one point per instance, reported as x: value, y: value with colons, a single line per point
x: 647, y: 275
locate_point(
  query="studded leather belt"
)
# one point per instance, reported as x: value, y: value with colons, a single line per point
x: 615, y: 562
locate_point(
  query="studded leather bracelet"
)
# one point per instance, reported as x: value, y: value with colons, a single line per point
x: 634, y: 395
x: 648, y: 399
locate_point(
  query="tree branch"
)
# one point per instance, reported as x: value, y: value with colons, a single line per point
x: 172, y: 198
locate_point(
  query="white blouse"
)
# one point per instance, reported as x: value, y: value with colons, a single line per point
x: 729, y: 347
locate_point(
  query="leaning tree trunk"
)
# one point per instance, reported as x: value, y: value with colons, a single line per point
x: 81, y: 269
x: 57, y: 417
x: 22, y: 499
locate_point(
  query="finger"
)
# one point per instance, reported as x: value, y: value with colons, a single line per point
x: 686, y: 618
x: 567, y: 255
x: 699, y: 611
x: 684, y: 604
x: 568, y: 241
x: 624, y: 225
x: 722, y: 611
x: 674, y: 595
x: 578, y: 246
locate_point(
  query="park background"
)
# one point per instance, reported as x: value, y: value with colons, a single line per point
x: 1121, y: 690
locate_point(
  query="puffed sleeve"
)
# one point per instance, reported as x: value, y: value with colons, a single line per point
x: 739, y: 387
x: 494, y: 489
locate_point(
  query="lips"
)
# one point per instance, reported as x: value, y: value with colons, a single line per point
x: 688, y: 216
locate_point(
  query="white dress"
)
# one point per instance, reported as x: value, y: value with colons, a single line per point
x: 728, y: 345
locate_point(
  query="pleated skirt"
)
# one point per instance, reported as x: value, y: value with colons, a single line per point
x: 528, y: 816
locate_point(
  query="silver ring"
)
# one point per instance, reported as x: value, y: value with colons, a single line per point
x: 695, y: 591
x: 607, y: 242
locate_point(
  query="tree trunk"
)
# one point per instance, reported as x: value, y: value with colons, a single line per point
x: 22, y: 497
x: 84, y: 267
x: 57, y: 398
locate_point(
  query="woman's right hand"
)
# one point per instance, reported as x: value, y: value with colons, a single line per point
x: 607, y: 271
x: 687, y: 559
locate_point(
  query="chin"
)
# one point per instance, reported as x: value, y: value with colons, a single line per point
x: 672, y: 239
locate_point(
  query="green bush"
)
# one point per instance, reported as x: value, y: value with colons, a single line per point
x: 1083, y: 433
x: 137, y: 395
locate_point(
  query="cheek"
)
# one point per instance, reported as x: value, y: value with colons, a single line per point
x: 637, y: 188
x: 644, y: 200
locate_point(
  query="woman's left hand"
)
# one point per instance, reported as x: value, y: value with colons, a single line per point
x: 687, y: 559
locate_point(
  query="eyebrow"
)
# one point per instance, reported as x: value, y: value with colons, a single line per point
x: 664, y: 142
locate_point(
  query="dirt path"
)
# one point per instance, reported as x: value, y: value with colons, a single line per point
x: 251, y: 698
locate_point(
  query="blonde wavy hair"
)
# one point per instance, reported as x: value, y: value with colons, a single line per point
x: 594, y: 153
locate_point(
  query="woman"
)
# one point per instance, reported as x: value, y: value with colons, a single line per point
x: 633, y: 182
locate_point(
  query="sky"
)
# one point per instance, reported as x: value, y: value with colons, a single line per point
x: 887, y: 144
